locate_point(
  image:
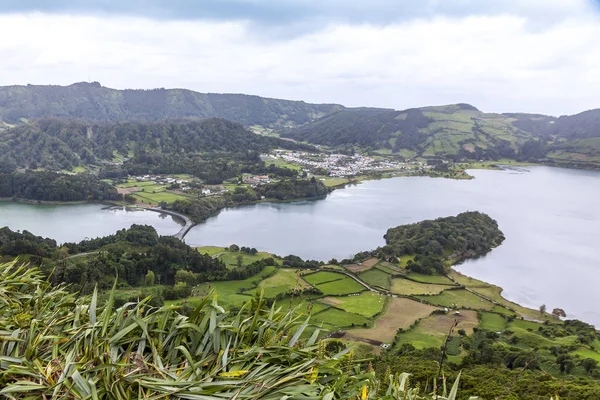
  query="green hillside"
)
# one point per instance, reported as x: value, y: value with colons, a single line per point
x: 95, y: 102
x: 461, y: 131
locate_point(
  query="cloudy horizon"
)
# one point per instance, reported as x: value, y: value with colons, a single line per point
x: 512, y: 56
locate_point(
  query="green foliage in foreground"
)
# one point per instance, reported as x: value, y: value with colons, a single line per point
x: 54, y: 344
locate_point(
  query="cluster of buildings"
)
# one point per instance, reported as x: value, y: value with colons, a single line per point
x: 337, y: 165
x: 164, y: 180
x: 257, y: 179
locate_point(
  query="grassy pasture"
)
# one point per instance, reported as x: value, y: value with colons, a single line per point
x: 303, y: 305
x: 400, y: 313
x: 211, y: 250
x: 322, y: 277
x: 407, y: 287
x: 230, y: 258
x: 366, y: 304
x: 437, y: 279
x: 458, y: 298
x: 343, y: 286
x: 376, y: 277
x: 432, y: 331
x: 492, y: 322
x: 283, y: 280
x: 228, y: 290
x: 340, y: 318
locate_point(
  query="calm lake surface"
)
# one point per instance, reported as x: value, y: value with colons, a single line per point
x: 73, y: 223
x: 550, y: 216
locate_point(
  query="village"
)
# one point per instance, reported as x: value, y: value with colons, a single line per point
x: 339, y: 165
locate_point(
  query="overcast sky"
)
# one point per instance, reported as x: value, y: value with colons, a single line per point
x: 501, y: 56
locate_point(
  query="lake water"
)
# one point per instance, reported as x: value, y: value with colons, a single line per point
x: 73, y: 223
x: 550, y: 216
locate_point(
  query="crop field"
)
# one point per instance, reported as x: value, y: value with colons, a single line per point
x: 343, y: 286
x: 228, y: 290
x: 432, y: 331
x: 366, y: 304
x: 467, y: 280
x: 340, y: 318
x: 438, y: 279
x: 400, y: 313
x: 492, y: 322
x: 322, y: 277
x: 283, y: 280
x: 458, y: 299
x: 376, y: 277
x: 407, y: 287
x: 386, y: 269
x: 157, y: 197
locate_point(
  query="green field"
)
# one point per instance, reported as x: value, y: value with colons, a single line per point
x: 438, y: 279
x: 230, y: 258
x: 366, y: 304
x: 492, y: 322
x: 228, y: 290
x: 343, y: 286
x: 376, y: 277
x: 340, y: 318
x: 212, y: 250
x: 322, y: 277
x: 407, y: 287
x: 283, y: 280
x: 458, y: 298
x: 157, y: 197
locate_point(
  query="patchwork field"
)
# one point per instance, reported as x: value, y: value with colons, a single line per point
x: 400, y: 313
x: 437, y: 279
x: 376, y: 277
x: 322, y: 277
x: 340, y: 318
x: 406, y: 287
x: 458, y: 299
x: 366, y: 304
x: 340, y: 287
x: 228, y: 290
x: 283, y: 280
x: 432, y: 331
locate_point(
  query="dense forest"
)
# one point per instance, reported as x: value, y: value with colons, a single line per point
x: 52, y: 186
x: 136, y: 256
x: 431, y: 242
x: 63, y: 144
x: 95, y: 102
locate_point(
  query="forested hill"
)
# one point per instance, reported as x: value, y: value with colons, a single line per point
x: 57, y: 144
x: 95, y: 102
x: 460, y: 131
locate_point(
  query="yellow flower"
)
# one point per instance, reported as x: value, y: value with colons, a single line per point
x: 364, y: 393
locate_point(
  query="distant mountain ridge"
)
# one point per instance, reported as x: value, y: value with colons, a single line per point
x: 92, y: 101
x: 455, y: 131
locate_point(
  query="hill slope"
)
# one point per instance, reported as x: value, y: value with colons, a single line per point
x: 95, y: 102
x: 445, y: 130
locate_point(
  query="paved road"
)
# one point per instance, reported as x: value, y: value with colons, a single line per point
x: 184, y: 230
